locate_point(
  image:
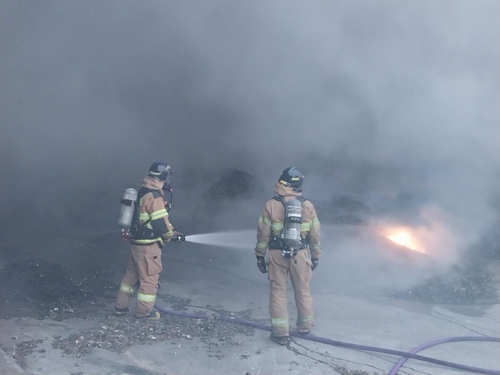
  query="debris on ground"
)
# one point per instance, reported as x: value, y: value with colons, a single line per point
x: 22, y: 349
x: 117, y: 334
x: 345, y: 371
x: 183, y: 304
x: 470, y: 282
x: 53, y: 290
x: 461, y: 285
x: 177, y: 303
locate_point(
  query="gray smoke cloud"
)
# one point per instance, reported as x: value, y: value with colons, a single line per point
x: 393, y: 102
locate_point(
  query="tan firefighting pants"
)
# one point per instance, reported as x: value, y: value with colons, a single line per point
x: 299, y: 268
x: 144, y: 267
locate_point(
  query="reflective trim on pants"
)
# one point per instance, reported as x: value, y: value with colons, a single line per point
x: 126, y: 288
x: 279, y: 322
x: 146, y: 297
x: 305, y: 320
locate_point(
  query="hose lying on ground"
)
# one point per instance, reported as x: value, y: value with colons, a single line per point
x: 429, y: 344
x: 323, y: 340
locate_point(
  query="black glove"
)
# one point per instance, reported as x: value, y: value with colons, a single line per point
x: 261, y: 263
x: 315, y: 262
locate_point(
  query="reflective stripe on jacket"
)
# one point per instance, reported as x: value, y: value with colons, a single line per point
x: 152, y: 212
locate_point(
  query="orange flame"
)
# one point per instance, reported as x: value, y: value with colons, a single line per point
x: 404, y: 237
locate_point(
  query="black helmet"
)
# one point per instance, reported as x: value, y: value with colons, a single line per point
x: 292, y: 177
x: 160, y: 171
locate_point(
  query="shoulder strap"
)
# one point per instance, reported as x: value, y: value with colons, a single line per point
x: 280, y: 198
x: 156, y: 194
x: 142, y: 192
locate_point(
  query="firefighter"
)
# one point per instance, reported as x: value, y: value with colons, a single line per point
x: 284, y: 216
x: 149, y: 230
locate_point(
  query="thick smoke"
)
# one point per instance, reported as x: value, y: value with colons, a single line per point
x: 394, y: 102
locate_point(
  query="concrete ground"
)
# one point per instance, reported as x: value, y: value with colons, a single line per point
x: 215, y: 279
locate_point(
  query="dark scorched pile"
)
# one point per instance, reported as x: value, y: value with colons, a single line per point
x: 471, y: 283
x: 52, y: 290
x: 460, y: 285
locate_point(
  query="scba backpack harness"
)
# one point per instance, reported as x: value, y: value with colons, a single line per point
x: 129, y: 215
x: 290, y: 241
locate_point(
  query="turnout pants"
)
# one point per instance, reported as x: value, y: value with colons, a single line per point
x: 299, y: 269
x: 144, y: 268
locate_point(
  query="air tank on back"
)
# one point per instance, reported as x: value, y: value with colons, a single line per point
x: 293, y: 218
x: 127, y: 208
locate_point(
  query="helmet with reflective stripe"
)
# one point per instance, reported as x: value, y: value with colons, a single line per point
x: 292, y: 177
x: 160, y: 171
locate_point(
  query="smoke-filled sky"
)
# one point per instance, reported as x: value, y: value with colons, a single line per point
x: 379, y: 100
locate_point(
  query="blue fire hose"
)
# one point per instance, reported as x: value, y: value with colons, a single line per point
x: 404, y: 355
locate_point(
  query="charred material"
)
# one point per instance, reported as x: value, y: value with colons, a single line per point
x: 227, y: 192
x: 344, y: 210
x: 472, y: 282
x: 459, y: 285
x: 52, y: 290
x: 232, y: 184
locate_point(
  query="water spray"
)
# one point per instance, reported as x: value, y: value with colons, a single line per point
x: 243, y: 239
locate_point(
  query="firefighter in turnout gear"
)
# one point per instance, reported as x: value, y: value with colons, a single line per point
x: 149, y: 230
x: 287, y: 228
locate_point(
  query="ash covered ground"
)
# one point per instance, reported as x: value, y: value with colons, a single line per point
x: 62, y: 278
x: 120, y: 333
x: 50, y: 290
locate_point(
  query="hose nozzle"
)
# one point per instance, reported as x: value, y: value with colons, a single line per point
x: 179, y: 238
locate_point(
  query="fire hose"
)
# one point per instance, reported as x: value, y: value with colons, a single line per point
x: 404, y: 355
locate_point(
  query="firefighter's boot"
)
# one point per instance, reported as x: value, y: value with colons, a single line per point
x: 121, y: 312
x: 154, y: 315
x: 282, y: 340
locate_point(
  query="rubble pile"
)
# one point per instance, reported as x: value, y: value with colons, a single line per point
x: 119, y: 333
x: 461, y: 285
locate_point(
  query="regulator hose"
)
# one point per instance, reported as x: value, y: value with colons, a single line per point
x: 327, y: 341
